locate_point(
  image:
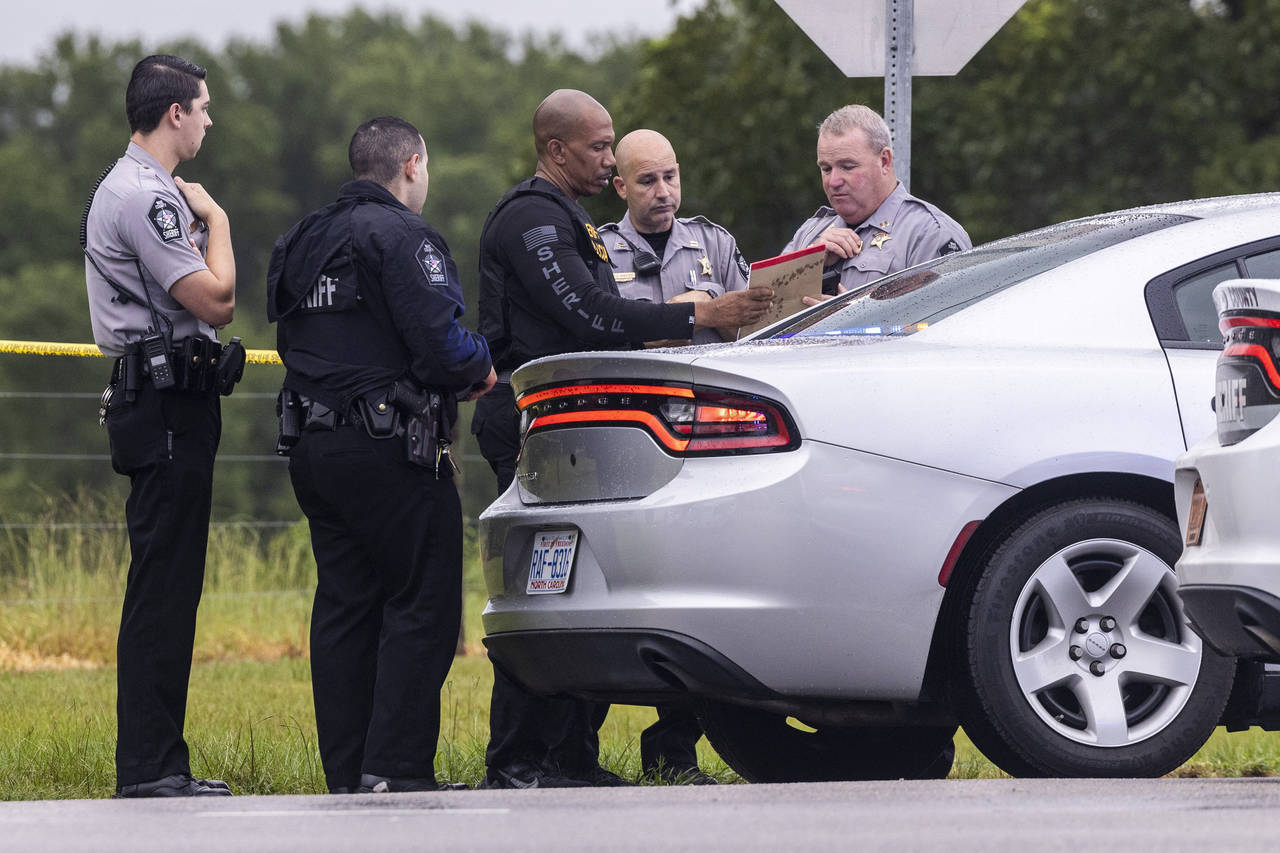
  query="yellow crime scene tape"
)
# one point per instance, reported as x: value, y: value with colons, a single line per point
x: 253, y: 356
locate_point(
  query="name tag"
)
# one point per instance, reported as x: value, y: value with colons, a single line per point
x: 624, y: 277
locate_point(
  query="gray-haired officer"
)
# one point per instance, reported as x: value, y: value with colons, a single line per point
x: 874, y: 226
x: 657, y: 256
x: 161, y: 276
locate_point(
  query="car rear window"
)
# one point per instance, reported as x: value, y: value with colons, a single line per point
x: 905, y: 302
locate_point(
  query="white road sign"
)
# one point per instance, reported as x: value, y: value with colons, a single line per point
x: 947, y: 33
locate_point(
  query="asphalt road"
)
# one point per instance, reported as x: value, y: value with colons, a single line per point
x: 1091, y: 815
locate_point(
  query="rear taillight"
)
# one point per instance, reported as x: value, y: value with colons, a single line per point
x: 684, y: 420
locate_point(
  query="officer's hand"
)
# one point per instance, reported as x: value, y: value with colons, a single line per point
x: 482, y: 387
x: 738, y: 308
x: 198, y: 198
x: 840, y: 243
x: 822, y: 297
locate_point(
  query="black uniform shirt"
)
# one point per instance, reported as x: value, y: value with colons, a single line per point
x: 546, y: 284
x: 366, y: 292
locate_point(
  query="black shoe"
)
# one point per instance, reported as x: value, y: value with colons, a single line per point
x: 371, y: 784
x: 214, y: 783
x: 674, y: 775
x: 598, y: 777
x: 177, y: 785
x: 523, y: 774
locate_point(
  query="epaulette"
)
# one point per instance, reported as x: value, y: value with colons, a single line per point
x: 702, y: 220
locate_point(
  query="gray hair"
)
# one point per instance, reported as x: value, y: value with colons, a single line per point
x: 863, y: 118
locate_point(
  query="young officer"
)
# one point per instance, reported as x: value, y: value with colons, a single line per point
x: 161, y: 275
x: 369, y: 308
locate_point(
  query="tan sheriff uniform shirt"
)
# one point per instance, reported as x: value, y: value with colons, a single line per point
x: 902, y: 232
x: 139, y: 219
x: 700, y: 255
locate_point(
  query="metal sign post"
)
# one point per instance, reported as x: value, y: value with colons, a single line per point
x: 899, y: 50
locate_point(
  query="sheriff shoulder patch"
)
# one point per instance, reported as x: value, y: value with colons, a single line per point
x: 432, y: 263
x: 164, y: 217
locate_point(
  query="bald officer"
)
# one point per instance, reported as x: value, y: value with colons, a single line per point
x: 874, y: 226
x: 656, y: 256
x: 161, y: 276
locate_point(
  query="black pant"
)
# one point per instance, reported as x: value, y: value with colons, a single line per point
x: 560, y: 733
x: 671, y: 741
x: 387, y: 537
x: 165, y: 443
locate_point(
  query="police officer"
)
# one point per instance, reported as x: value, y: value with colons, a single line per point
x: 656, y: 256
x: 687, y: 259
x: 161, y: 276
x: 873, y: 226
x: 369, y: 305
x: 546, y: 287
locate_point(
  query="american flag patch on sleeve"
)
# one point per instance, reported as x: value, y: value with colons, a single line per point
x: 540, y: 236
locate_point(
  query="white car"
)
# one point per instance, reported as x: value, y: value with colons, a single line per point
x: 1227, y: 485
x: 943, y: 498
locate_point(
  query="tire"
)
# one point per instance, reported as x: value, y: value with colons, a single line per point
x: 1075, y: 656
x: 764, y: 747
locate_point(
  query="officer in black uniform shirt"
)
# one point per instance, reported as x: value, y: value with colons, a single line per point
x: 547, y: 287
x: 369, y: 307
x: 160, y: 275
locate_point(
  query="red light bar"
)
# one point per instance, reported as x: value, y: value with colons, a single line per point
x: 1232, y: 322
x: 1256, y: 352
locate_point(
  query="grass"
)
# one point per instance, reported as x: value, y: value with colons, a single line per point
x: 250, y: 719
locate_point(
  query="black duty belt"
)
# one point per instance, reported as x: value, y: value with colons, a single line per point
x: 197, y: 365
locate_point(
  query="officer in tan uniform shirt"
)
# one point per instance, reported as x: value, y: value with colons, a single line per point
x: 658, y: 257
x: 661, y: 258
x: 874, y: 226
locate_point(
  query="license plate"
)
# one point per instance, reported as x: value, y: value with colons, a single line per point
x: 552, y: 561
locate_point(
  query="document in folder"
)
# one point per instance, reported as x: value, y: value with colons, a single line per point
x: 792, y: 276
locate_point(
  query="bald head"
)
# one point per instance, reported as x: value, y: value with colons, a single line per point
x: 562, y: 115
x: 574, y: 138
x: 648, y: 180
x: 640, y: 148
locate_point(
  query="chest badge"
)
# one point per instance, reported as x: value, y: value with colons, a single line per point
x: 624, y: 277
x: 878, y: 241
x: 706, y: 265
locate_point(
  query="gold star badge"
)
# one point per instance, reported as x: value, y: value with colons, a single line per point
x: 879, y: 239
x: 706, y: 265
